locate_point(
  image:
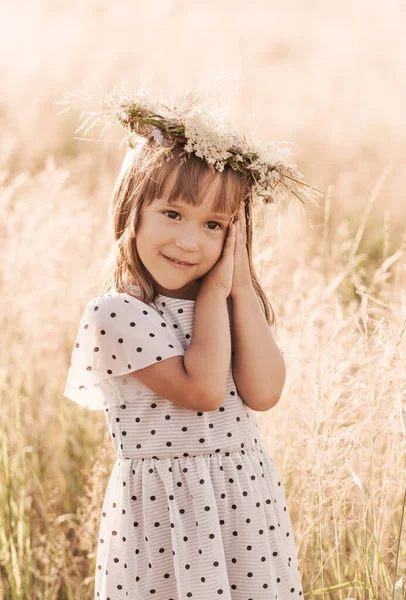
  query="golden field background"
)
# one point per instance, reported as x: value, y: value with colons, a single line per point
x: 328, y: 76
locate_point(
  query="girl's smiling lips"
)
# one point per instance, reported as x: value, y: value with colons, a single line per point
x: 188, y: 264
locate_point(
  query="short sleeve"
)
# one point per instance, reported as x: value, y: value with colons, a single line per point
x: 117, y: 334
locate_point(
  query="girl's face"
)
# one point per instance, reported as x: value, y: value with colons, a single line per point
x: 188, y: 233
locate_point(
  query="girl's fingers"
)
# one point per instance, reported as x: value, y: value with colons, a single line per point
x: 243, y: 225
x: 231, y: 235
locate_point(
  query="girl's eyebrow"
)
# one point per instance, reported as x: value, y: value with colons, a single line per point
x: 222, y: 216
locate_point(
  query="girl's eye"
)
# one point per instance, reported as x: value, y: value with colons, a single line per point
x: 176, y: 213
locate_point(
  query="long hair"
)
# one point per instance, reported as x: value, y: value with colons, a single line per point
x: 146, y: 170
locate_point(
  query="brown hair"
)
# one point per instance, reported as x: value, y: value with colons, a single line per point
x: 144, y: 175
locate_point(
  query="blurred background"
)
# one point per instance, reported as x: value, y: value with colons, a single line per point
x: 325, y: 77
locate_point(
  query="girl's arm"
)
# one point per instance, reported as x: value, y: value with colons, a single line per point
x: 207, y: 360
x: 197, y: 380
x: 258, y: 365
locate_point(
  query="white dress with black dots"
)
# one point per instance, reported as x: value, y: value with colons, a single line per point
x: 194, y: 506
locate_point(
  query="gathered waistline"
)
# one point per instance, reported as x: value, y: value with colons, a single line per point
x: 256, y: 446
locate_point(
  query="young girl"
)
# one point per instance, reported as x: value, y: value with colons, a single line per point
x: 178, y: 353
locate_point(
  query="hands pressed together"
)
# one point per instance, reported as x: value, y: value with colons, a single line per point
x: 231, y: 273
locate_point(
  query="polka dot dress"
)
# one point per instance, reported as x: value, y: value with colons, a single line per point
x: 194, y: 506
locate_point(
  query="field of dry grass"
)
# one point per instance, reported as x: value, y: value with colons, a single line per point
x: 324, y: 75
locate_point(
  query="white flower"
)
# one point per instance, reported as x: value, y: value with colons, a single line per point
x: 269, y: 153
x: 142, y: 100
x: 210, y: 136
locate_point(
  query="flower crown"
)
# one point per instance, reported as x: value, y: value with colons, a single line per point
x: 204, y: 131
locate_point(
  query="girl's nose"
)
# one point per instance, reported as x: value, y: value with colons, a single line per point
x: 188, y: 239
x: 187, y: 243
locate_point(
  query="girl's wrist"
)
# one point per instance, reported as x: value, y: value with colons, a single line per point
x: 242, y: 291
x: 212, y: 290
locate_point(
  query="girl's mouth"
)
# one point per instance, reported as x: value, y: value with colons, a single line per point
x: 178, y: 265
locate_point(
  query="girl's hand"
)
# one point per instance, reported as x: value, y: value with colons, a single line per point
x: 221, y: 274
x: 242, y: 275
